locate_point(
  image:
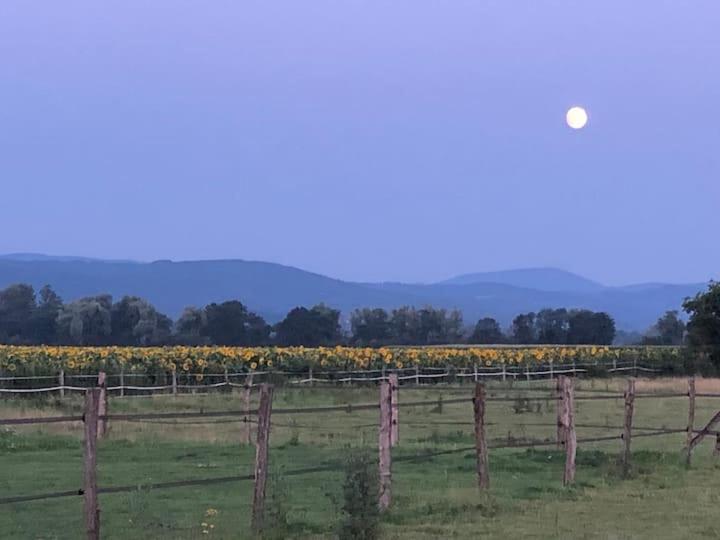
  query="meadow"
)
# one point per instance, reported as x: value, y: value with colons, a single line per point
x: 433, y: 496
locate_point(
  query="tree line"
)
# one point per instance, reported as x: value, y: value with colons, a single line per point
x: 27, y: 317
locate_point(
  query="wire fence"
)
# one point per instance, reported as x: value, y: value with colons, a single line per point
x: 389, y: 419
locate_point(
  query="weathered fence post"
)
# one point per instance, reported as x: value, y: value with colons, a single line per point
x: 394, y: 409
x: 716, y: 450
x: 385, y: 460
x: 475, y: 372
x: 560, y: 407
x: 261, y: 456
x: 174, y: 383
x: 245, y: 437
x: 91, y: 508
x: 504, y: 372
x: 122, y: 382
x: 691, y: 420
x: 527, y: 372
x: 102, y: 404
x: 61, y: 382
x: 568, y: 423
x: 417, y: 374
x: 627, y: 430
x: 480, y: 443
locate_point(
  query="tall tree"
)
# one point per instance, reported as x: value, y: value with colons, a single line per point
x: 590, y: 328
x: 668, y: 330
x: 370, y: 327
x: 135, y: 321
x: 309, y: 327
x: 44, y: 319
x: 523, y: 329
x: 231, y: 323
x: 486, y: 332
x: 17, y: 305
x: 552, y: 326
x: 703, y: 328
x: 87, y: 321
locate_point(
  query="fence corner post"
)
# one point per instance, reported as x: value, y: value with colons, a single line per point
x: 627, y: 430
x: 483, y: 474
x: 394, y: 409
x: 261, y: 456
x: 385, y: 457
x: 691, y: 420
x: 91, y: 508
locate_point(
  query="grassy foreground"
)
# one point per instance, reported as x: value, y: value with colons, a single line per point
x: 433, y: 498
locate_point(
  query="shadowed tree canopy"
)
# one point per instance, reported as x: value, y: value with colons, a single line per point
x: 486, y: 332
x: 309, y: 327
x: 703, y: 328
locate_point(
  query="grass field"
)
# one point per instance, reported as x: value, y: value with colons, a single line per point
x: 432, y: 498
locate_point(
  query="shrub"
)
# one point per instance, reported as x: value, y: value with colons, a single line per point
x: 361, y: 516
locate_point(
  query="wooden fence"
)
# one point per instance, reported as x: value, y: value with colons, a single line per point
x: 96, y: 418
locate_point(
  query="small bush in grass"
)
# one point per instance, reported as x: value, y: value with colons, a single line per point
x: 361, y: 516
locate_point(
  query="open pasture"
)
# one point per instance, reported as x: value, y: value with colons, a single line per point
x: 435, y: 490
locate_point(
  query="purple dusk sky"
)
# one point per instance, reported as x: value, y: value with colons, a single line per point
x: 402, y: 140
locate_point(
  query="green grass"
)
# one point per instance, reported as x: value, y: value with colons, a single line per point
x: 432, y: 498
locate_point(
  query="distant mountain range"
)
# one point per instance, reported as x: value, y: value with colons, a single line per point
x: 273, y: 289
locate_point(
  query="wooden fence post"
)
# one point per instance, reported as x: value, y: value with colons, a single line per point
x: 91, y: 508
x: 394, y: 409
x: 61, y: 382
x: 245, y: 435
x: 261, y: 456
x: 384, y: 446
x: 716, y: 450
x: 102, y: 405
x: 122, y: 382
x: 627, y: 431
x: 475, y: 372
x: 174, y: 383
x: 480, y: 443
x: 504, y: 372
x: 691, y: 420
x: 560, y: 408
x: 568, y: 422
x: 417, y: 374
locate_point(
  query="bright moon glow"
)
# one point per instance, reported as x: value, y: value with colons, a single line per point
x: 576, y: 118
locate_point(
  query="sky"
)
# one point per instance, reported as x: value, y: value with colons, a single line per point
x: 410, y: 140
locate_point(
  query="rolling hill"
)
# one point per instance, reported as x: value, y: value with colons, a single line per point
x: 273, y: 289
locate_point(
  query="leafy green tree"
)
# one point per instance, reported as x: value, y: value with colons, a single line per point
x: 135, y: 321
x: 17, y: 305
x: 552, y: 326
x: 703, y: 328
x: 231, y: 323
x: 668, y: 330
x: 523, y: 329
x: 190, y: 327
x: 44, y: 319
x: 590, y: 328
x: 309, y: 327
x: 87, y: 321
x: 370, y: 327
x: 486, y: 332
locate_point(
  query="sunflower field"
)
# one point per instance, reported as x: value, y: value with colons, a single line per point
x: 45, y: 360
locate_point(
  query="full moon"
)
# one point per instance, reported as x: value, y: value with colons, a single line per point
x: 576, y: 117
